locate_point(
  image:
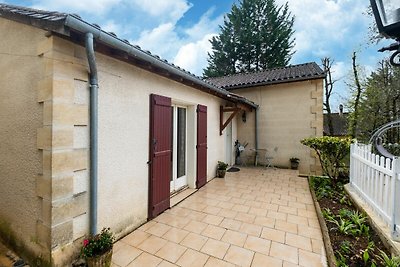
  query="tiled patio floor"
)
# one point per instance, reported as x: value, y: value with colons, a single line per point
x: 255, y: 217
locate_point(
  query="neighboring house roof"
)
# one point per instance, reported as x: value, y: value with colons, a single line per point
x: 292, y: 73
x: 339, y: 123
x: 74, y: 27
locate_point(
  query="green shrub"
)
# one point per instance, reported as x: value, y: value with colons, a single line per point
x: 331, y: 151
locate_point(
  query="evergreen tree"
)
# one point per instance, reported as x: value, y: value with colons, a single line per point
x: 379, y: 103
x: 256, y: 35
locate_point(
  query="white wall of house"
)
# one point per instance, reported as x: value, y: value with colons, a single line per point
x: 124, y: 138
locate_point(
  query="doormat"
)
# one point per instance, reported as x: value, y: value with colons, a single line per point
x: 233, y: 169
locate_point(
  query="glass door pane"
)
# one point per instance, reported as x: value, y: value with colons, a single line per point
x: 181, y: 142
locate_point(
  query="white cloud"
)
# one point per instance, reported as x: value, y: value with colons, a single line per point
x: 325, y: 25
x: 187, y: 49
x: 193, y: 56
x: 166, y: 10
x: 88, y: 6
x: 162, y: 40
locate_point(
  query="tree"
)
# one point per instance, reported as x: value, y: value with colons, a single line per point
x: 354, y: 116
x: 256, y: 35
x: 380, y: 102
x: 328, y: 87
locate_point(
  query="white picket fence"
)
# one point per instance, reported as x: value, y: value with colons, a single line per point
x: 376, y: 180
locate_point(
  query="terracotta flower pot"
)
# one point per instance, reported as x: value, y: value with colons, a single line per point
x: 221, y: 173
x: 103, y: 260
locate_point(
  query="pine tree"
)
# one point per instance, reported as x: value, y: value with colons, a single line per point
x: 256, y: 35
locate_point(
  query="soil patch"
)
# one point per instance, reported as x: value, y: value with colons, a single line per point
x: 353, y: 240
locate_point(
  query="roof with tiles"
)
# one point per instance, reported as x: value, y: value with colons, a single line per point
x: 292, y: 73
x: 60, y: 23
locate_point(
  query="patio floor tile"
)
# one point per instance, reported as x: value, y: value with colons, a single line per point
x: 213, y: 219
x: 194, y: 241
x: 309, y: 259
x: 214, y: 262
x: 255, y: 217
x: 273, y: 234
x: 125, y: 255
x: 135, y: 238
x: 284, y: 252
x: 231, y: 224
x: 298, y: 241
x: 239, y: 256
x: 262, y: 260
x: 235, y: 238
x: 171, y: 252
x: 215, y: 248
x: 251, y: 229
x: 152, y: 244
x: 257, y: 244
x: 192, y: 258
x: 214, y: 232
x: 158, y: 229
x: 175, y: 235
x: 145, y: 259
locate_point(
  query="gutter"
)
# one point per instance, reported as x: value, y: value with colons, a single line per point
x: 94, y: 86
x: 77, y: 24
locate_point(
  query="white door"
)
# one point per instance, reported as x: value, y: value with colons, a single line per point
x: 179, y: 148
x: 228, y: 144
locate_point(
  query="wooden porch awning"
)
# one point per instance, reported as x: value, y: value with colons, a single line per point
x: 234, y: 110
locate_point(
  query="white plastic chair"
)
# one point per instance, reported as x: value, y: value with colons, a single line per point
x: 269, y: 158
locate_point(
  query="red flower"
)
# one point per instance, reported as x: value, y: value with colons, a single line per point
x: 85, y: 242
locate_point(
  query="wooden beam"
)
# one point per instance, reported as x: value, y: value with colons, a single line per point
x: 222, y: 125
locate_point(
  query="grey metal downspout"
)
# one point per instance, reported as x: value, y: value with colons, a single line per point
x: 256, y: 132
x: 93, y: 83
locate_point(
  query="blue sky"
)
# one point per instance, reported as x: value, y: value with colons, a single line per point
x: 179, y: 30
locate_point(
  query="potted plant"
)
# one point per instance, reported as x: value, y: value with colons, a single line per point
x: 294, y: 163
x: 97, y: 249
x: 221, y: 169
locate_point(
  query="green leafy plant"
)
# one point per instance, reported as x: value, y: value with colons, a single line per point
x: 222, y: 165
x: 341, y: 261
x: 328, y: 215
x: 366, y: 253
x: 345, y: 201
x: 98, y: 244
x: 296, y: 160
x: 322, y: 187
x: 331, y: 151
x: 345, y: 247
x: 345, y: 213
x: 388, y: 261
x: 344, y: 226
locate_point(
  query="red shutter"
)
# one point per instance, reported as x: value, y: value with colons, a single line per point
x: 160, y: 154
x: 201, y: 146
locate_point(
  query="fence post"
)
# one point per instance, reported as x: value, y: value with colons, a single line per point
x: 395, y: 198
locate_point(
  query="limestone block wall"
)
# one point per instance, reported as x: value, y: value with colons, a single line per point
x: 20, y: 161
x: 64, y: 141
x: 287, y: 113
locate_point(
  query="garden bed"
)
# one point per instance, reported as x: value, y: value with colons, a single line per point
x: 349, y: 238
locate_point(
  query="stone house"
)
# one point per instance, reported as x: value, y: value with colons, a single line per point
x: 96, y: 132
x: 290, y: 108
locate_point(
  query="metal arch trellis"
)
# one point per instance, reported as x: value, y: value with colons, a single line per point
x: 377, y: 139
